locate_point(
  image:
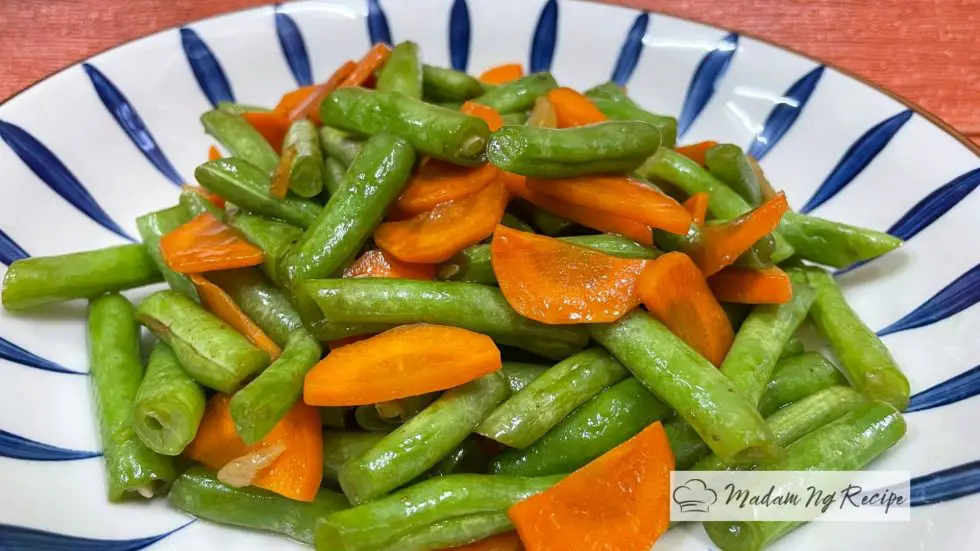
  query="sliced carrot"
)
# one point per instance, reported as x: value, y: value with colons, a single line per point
x: 272, y: 127
x: 508, y: 541
x: 620, y: 501
x: 696, y: 151
x: 721, y: 244
x: 213, y: 153
x: 554, y: 282
x: 372, y: 61
x: 219, y: 303
x: 485, y: 112
x: 438, y: 234
x: 280, y: 178
x: 298, y: 470
x: 744, y: 286
x: 309, y: 106
x: 376, y: 263
x: 697, y: 206
x: 502, y: 74
x: 674, y: 291
x: 405, y: 361
x: 586, y: 216
x: 215, y: 199
x: 619, y: 196
x: 543, y: 114
x: 288, y: 102
x: 205, y: 244
x: 438, y: 182
x: 574, y: 109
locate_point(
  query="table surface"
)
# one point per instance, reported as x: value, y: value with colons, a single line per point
x: 927, y: 51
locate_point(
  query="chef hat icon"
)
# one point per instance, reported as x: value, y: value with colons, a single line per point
x: 694, y: 496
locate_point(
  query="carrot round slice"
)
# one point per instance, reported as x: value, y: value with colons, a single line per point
x: 272, y: 127
x: 508, y: 541
x: 574, y: 109
x: 555, y: 282
x: 697, y: 206
x: 721, y: 244
x: 502, y: 74
x: 740, y: 285
x: 619, y: 196
x: 438, y: 182
x: 619, y: 501
x: 405, y: 361
x: 375, y: 263
x: 220, y: 303
x: 485, y: 112
x: 296, y: 473
x: 438, y: 234
x: 696, y: 151
x: 206, y: 244
x: 674, y: 291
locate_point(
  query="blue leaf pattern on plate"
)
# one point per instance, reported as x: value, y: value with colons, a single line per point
x: 856, y: 158
x: 293, y: 47
x: 16, y: 538
x: 703, y: 84
x: 10, y: 251
x: 459, y: 35
x: 784, y: 114
x: 953, y: 299
x: 131, y: 123
x: 56, y: 175
x: 377, y: 23
x: 963, y: 386
x: 946, y: 485
x: 11, y: 352
x: 629, y: 55
x: 18, y: 447
x: 545, y: 39
x: 208, y: 72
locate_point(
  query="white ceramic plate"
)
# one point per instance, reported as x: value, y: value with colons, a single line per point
x: 87, y: 150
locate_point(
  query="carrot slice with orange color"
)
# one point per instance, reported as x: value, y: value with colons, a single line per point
x: 219, y: 303
x: 721, y: 244
x: 697, y: 206
x: 206, y: 244
x: 438, y: 234
x: 376, y: 263
x: 437, y: 182
x: 586, y: 216
x: 620, y: 501
x: 215, y: 199
x: 296, y: 473
x: 502, y: 74
x: 405, y: 361
x: 554, y: 282
x: 696, y: 151
x: 280, y: 178
x: 489, y: 115
x: 272, y: 127
x: 289, y: 100
x: 619, y: 196
x: 674, y: 291
x: 308, y: 105
x: 371, y: 62
x: 744, y: 286
x: 213, y: 153
x: 508, y: 541
x: 574, y: 109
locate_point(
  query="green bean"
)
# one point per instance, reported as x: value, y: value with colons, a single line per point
x: 473, y: 263
x: 533, y: 411
x: 214, y: 354
x: 169, y: 405
x: 43, y: 280
x: 442, y: 84
x: 431, y: 130
x: 678, y: 375
x: 479, y: 308
x: 336, y: 417
x: 152, y: 228
x: 685, y: 442
x: 512, y: 221
x: 239, y: 137
x: 368, y: 418
x: 403, y: 409
x: 520, y: 374
x: 199, y: 492
x: 373, y: 181
x: 757, y: 257
x: 727, y: 162
x: 614, y: 146
x: 519, y: 95
x: 423, y: 441
x: 794, y: 347
x: 402, y: 73
x: 114, y: 365
x: 274, y: 238
x: 833, y: 243
x: 544, y: 221
x: 373, y: 525
x: 847, y: 444
x: 759, y: 342
x: 196, y: 204
x: 247, y: 186
x: 796, y: 378
x: 341, y: 447
x: 610, y: 418
x: 306, y: 168
x: 513, y: 119
x: 264, y: 303
x: 453, y: 532
x: 615, y: 104
x: 239, y: 108
x: 333, y: 174
x: 339, y: 145
x: 866, y: 360
x: 468, y: 457
x: 258, y: 407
